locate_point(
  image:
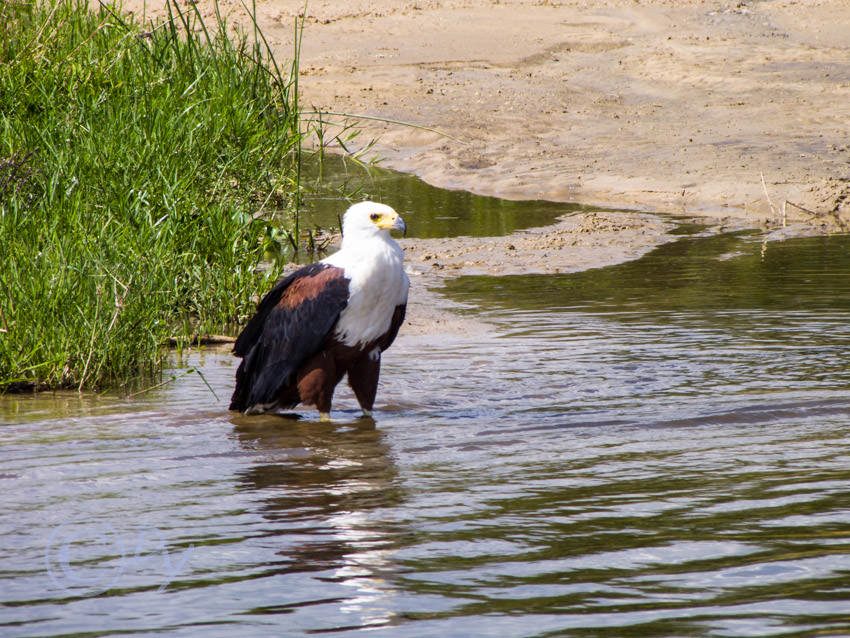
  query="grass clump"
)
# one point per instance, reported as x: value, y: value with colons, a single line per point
x: 135, y: 168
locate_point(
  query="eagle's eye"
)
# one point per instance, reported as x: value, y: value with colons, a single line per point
x: 374, y: 217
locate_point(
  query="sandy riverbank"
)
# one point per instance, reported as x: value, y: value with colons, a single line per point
x: 723, y: 109
x: 677, y: 106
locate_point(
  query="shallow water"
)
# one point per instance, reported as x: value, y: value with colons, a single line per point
x: 428, y: 211
x: 653, y: 449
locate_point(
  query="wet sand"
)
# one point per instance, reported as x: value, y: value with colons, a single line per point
x: 674, y: 106
x: 739, y: 111
x: 716, y: 108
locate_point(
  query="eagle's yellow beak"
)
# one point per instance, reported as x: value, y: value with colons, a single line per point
x: 391, y: 221
x: 398, y: 224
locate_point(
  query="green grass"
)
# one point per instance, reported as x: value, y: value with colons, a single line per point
x: 139, y: 166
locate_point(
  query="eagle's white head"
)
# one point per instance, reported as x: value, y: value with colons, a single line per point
x: 370, y: 219
x: 373, y: 265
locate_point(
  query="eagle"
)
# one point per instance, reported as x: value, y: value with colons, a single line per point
x: 326, y: 320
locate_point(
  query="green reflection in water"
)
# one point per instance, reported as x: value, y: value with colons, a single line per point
x: 427, y: 210
x: 725, y: 272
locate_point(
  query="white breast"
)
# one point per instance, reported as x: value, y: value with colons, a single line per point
x: 377, y: 284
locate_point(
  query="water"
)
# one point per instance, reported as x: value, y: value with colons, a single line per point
x: 428, y: 211
x: 654, y: 449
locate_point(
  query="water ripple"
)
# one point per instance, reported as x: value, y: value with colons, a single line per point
x: 650, y: 473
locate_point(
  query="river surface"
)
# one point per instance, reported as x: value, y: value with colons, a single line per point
x: 658, y: 448
x: 428, y: 211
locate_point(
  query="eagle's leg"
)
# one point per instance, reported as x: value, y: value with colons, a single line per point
x: 316, y: 382
x: 363, y: 379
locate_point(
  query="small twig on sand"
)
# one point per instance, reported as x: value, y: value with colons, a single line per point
x: 769, y: 202
x: 805, y: 210
x: 834, y: 214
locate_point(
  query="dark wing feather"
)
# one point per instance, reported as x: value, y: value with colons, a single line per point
x: 395, y: 325
x: 290, y: 326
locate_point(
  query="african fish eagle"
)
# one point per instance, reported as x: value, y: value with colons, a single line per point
x: 326, y: 320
